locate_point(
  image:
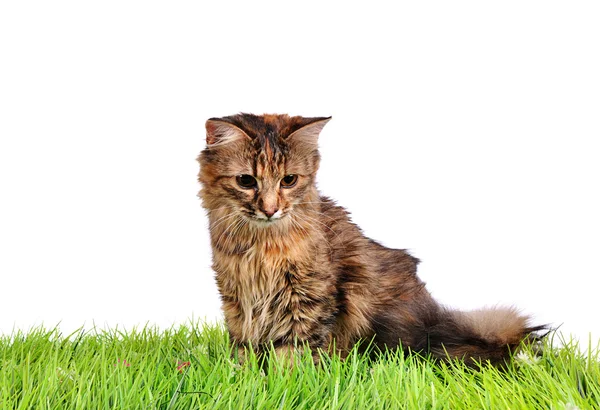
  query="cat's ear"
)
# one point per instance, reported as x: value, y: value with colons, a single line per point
x: 219, y: 132
x: 309, y: 133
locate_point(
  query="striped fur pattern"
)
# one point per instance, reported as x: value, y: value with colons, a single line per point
x: 292, y: 268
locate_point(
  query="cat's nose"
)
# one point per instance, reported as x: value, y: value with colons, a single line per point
x: 269, y: 212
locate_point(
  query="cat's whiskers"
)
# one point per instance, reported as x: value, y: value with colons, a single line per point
x: 220, y: 208
x: 309, y: 202
x: 234, y: 231
x: 214, y: 224
x: 227, y: 234
x: 217, y: 211
x: 315, y: 229
x: 316, y: 210
x: 297, y: 225
x: 337, y: 234
x: 319, y: 222
x: 220, y: 237
x: 324, y: 215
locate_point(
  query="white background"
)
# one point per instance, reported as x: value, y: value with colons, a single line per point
x: 466, y: 132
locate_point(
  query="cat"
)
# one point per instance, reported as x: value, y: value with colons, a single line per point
x: 293, y: 269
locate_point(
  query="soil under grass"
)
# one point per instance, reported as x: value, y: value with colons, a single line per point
x: 191, y: 367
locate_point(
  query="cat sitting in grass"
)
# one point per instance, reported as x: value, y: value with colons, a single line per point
x: 293, y: 269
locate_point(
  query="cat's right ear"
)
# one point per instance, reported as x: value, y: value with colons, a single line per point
x: 219, y: 132
x: 309, y: 132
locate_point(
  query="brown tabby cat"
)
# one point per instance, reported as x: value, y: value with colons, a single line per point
x: 291, y: 267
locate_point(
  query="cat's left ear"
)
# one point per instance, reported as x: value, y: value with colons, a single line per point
x: 309, y: 133
x: 220, y: 132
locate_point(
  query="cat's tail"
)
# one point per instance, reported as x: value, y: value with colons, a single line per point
x: 486, y: 335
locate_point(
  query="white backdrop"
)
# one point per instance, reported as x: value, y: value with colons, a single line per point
x: 466, y: 132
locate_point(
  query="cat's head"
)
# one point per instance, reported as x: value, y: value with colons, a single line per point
x: 259, y: 167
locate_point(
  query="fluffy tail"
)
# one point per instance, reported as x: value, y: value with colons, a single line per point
x: 482, y: 335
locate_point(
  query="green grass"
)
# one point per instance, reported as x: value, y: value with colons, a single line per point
x: 191, y: 367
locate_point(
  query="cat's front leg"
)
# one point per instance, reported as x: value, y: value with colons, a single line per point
x: 314, y: 334
x: 308, y: 334
x: 285, y: 354
x: 289, y: 354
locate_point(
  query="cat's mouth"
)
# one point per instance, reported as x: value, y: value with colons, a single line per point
x: 263, y: 220
x: 258, y: 218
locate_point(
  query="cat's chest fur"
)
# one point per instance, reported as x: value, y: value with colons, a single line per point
x: 266, y: 288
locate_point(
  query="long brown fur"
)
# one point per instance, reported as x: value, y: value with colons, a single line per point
x: 291, y: 266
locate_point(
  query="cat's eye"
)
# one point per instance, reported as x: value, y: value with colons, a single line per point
x: 246, y: 181
x: 289, y: 181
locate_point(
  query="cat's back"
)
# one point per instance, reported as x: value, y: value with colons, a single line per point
x: 364, y: 261
x: 347, y: 240
x: 343, y: 236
